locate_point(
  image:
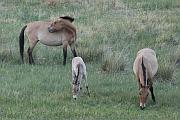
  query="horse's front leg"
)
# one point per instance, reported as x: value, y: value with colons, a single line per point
x: 73, y: 49
x: 139, y: 84
x: 152, y: 93
x: 64, y: 53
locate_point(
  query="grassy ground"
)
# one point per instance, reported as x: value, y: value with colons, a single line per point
x: 106, y: 29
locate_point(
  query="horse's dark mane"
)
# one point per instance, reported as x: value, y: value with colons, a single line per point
x: 70, y: 27
x: 67, y: 18
x: 144, y: 72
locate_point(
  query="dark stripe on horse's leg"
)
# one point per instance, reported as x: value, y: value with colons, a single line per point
x: 152, y: 93
x: 64, y: 54
x: 31, y: 61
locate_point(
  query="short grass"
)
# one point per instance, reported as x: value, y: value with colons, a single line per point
x: 109, y: 35
x: 44, y: 92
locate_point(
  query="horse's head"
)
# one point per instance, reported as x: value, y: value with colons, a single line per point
x: 143, y: 95
x: 75, y: 89
x: 55, y: 26
x: 60, y: 23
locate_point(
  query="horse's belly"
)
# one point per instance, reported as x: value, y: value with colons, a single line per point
x: 50, y: 40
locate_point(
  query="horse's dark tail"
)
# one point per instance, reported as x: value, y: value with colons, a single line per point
x: 21, y: 42
x: 77, y: 77
x: 144, y: 72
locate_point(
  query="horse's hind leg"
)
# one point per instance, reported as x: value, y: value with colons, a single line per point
x: 30, y: 49
x: 152, y: 93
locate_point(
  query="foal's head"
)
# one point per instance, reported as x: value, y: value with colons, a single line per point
x: 143, y: 95
x: 75, y: 88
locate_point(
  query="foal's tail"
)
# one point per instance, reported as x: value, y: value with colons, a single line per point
x: 77, y: 77
x: 21, y: 42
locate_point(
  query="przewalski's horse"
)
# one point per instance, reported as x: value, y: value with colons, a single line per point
x: 145, y: 67
x: 51, y: 33
x: 78, y: 74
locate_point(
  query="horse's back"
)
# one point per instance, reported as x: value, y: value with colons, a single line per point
x: 146, y: 51
x: 149, y: 59
x: 37, y: 25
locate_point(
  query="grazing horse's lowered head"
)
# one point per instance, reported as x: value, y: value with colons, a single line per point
x: 145, y: 67
x: 143, y: 95
x: 78, y: 74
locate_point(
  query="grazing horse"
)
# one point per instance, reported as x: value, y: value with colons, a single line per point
x: 78, y: 74
x: 51, y: 33
x: 145, y: 67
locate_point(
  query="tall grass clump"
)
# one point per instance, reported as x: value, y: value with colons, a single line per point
x: 90, y: 54
x: 5, y: 55
x: 165, y: 70
x: 113, y: 61
x: 153, y: 4
x: 177, y: 56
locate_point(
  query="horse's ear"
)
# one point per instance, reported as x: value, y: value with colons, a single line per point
x: 67, y: 18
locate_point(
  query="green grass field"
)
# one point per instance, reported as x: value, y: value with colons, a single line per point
x: 109, y: 35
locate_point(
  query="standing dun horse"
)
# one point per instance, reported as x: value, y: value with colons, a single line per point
x: 56, y: 33
x: 78, y: 74
x: 145, y: 67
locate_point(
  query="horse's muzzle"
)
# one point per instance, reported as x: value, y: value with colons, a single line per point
x: 50, y: 30
x: 142, y: 108
x: 75, y: 97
